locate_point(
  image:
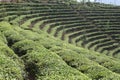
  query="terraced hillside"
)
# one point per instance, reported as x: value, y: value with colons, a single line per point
x: 59, y: 41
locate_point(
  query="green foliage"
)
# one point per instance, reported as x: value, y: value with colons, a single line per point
x: 49, y: 43
x: 11, y: 67
x: 86, y: 66
x: 23, y: 46
x: 47, y: 58
x: 4, y: 26
x: 106, y: 61
x: 13, y: 36
x: 50, y: 66
x: 9, y: 70
x: 2, y: 38
x: 30, y: 35
x: 42, y: 62
x: 68, y: 1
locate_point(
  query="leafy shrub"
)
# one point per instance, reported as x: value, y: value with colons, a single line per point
x: 48, y: 65
x: 5, y: 26
x: 2, y: 38
x: 13, y: 36
x: 49, y: 43
x: 22, y: 47
x: 83, y: 64
x: 11, y: 66
x: 5, y: 50
x: 9, y: 69
x: 109, y: 62
x: 30, y: 35
x: 41, y: 62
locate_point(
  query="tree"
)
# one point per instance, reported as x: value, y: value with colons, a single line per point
x: 66, y: 1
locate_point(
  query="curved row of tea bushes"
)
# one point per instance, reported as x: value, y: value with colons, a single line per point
x: 21, y: 50
x: 108, y: 23
x: 40, y: 63
x: 108, y: 62
x: 48, y: 15
x: 11, y: 66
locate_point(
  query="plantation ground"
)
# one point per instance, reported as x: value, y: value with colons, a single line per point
x: 59, y: 41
